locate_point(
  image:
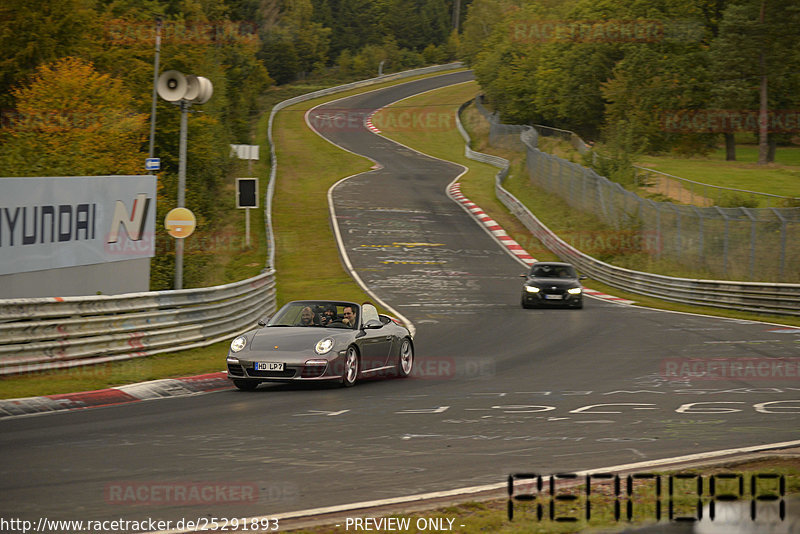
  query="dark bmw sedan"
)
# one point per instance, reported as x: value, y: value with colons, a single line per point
x: 552, y: 283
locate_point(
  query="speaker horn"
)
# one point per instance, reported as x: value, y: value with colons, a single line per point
x: 205, y: 91
x: 171, y: 86
x: 192, y: 88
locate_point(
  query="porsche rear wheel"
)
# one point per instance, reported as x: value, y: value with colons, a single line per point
x: 406, y: 358
x: 245, y: 385
x: 351, y: 368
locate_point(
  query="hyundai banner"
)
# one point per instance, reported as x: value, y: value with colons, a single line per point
x: 50, y: 223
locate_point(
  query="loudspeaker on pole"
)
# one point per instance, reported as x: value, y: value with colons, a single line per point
x: 172, y: 86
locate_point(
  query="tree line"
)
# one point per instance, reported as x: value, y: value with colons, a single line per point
x: 70, y: 69
x: 643, y: 75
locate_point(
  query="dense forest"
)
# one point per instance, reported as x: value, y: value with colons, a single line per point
x: 642, y: 75
x: 76, y: 75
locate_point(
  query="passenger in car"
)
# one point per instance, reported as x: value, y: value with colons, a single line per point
x: 308, y: 317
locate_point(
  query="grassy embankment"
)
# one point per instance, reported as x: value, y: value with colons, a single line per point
x: 307, y: 259
x: 779, y: 178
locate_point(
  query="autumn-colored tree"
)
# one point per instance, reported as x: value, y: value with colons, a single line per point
x: 71, y: 120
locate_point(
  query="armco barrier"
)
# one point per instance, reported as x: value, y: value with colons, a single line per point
x: 40, y: 334
x: 760, y: 297
x: 49, y: 333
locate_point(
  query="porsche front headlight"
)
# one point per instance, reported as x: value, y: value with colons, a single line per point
x: 324, y: 346
x: 238, y: 344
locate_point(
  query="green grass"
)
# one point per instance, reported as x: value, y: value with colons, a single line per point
x: 197, y: 361
x: 307, y: 259
x: 780, y: 178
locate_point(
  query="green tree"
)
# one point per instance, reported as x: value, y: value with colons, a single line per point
x: 33, y: 32
x: 756, y: 58
x: 72, y: 120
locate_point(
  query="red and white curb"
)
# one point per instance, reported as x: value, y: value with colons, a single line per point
x: 371, y: 125
x: 494, y: 228
x: 604, y: 296
x: 155, y: 389
x: 509, y: 243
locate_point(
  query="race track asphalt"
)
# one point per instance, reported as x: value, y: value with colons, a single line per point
x: 498, y: 389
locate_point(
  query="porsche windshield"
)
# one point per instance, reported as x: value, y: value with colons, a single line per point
x: 317, y: 314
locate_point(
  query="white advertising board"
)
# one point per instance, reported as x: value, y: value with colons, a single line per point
x: 50, y: 223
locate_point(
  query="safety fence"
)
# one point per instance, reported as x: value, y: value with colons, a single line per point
x: 756, y: 244
x: 41, y: 334
x: 763, y: 297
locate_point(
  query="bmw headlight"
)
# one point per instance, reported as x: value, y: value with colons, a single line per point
x: 531, y: 289
x: 323, y: 346
x: 574, y: 291
x: 238, y: 344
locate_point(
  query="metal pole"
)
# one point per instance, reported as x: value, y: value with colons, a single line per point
x: 247, y: 227
x: 181, y: 193
x: 155, y: 90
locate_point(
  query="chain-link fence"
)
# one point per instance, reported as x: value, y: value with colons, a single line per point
x: 742, y: 243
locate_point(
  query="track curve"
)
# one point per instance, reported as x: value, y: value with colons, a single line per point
x: 498, y: 389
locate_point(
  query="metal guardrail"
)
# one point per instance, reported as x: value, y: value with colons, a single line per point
x: 760, y: 297
x: 40, y: 334
x: 57, y: 332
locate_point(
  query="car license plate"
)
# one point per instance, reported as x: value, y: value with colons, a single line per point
x: 269, y: 366
x: 553, y: 297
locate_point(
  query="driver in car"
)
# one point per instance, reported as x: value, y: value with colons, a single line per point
x: 349, y: 317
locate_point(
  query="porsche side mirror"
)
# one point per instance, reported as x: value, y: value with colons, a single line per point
x: 523, y: 275
x: 583, y: 277
x: 373, y: 324
x: 263, y: 322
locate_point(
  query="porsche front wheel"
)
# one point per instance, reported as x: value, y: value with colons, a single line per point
x: 351, y: 368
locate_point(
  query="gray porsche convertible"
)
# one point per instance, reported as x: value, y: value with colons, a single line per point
x: 321, y: 340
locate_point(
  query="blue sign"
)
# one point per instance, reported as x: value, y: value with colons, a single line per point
x: 152, y: 164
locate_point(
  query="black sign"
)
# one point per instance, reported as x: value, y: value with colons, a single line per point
x: 247, y: 192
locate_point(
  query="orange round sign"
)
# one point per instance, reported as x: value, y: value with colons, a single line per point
x: 180, y: 223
